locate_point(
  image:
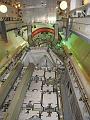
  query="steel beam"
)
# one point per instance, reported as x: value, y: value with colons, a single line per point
x: 15, y: 107
x: 6, y: 86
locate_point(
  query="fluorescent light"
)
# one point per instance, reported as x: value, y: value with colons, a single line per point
x: 52, y: 19
x: 3, y: 8
x: 63, y: 5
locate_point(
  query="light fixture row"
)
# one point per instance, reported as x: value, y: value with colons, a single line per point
x: 4, y: 9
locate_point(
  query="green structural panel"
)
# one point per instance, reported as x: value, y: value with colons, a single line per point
x: 14, y: 42
x: 81, y: 50
x: 6, y: 86
x: 15, y: 106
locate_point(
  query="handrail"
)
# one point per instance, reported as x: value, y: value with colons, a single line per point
x: 7, y: 63
x: 80, y: 86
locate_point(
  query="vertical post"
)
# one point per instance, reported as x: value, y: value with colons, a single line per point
x: 56, y: 31
x: 55, y: 74
x: 44, y: 75
x: 29, y: 33
x: 3, y: 31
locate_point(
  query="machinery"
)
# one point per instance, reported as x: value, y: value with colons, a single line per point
x: 44, y: 60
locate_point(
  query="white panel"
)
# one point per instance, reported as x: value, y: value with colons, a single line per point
x: 75, y: 4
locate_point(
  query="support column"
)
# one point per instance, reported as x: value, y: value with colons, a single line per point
x: 29, y: 33
x: 56, y: 31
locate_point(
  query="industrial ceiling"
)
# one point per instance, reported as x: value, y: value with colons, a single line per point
x: 39, y: 11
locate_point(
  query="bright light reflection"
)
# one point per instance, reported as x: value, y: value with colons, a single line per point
x: 52, y: 19
x: 19, y: 5
x: 3, y: 8
x: 63, y: 5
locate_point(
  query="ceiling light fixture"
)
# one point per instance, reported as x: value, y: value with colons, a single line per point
x: 3, y: 8
x: 19, y: 5
x: 56, y: 7
x: 63, y: 5
x: 16, y: 6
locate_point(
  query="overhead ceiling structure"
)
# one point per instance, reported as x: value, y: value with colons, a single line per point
x: 39, y: 11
